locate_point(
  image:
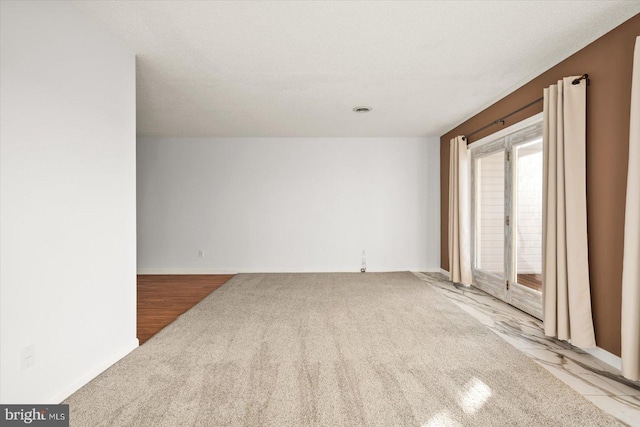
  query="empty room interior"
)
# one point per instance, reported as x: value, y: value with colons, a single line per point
x: 323, y: 213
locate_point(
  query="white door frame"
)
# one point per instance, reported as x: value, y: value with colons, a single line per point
x: 505, y: 288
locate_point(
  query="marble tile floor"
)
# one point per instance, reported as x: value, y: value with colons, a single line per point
x: 595, y: 380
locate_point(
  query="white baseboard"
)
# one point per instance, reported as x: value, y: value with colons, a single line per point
x: 430, y: 270
x: 83, y: 380
x: 186, y: 271
x: 606, y: 357
x: 445, y: 272
x: 179, y: 271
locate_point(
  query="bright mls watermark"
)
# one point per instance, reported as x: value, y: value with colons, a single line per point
x: 34, y: 415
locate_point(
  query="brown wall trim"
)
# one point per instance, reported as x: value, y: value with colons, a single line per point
x: 608, y: 61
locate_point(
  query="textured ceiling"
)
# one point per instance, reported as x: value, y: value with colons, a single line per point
x: 298, y: 68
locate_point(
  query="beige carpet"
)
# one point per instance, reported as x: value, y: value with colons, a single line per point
x: 375, y: 349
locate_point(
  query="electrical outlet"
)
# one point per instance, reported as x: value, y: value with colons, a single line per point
x: 27, y: 357
x: 200, y: 253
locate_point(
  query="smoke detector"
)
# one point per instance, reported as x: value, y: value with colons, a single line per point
x: 361, y: 109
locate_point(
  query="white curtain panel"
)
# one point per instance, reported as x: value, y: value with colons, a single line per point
x: 631, y: 264
x: 565, y: 267
x: 459, y: 235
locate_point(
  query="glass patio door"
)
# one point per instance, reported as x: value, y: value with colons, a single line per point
x: 506, y: 214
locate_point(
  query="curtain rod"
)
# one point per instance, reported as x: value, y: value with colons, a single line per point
x: 501, y: 120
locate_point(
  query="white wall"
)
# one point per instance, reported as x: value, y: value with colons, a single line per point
x: 287, y: 204
x: 68, y: 249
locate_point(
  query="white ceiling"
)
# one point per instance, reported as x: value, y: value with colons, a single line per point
x: 298, y: 68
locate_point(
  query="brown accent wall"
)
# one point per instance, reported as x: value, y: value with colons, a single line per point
x: 608, y: 61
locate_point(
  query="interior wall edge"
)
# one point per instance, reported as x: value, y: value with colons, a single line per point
x: 84, y: 379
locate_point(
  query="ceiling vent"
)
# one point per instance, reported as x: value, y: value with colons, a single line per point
x: 361, y: 109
